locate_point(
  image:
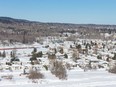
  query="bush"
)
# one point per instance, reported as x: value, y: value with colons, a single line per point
x: 34, y: 56
x: 114, y: 58
x: 78, y: 47
x: 112, y: 69
x: 4, y: 54
x: 59, y: 70
x: 39, y: 54
x: 34, y: 75
x: 46, y: 67
x: 68, y: 66
x: 8, y: 77
x: 87, y: 67
x: 99, y: 57
x: 65, y: 56
x: 61, y: 50
x: 34, y: 50
x: 74, y: 56
x: 112, y: 66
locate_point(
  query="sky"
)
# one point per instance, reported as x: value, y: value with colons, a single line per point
x: 63, y: 11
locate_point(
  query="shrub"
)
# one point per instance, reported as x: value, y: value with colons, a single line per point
x: 114, y: 58
x: 74, y: 56
x: 4, y: 54
x: 13, y: 53
x: 35, y: 75
x: 65, y: 56
x: 87, y: 66
x: 59, y: 70
x: 8, y: 77
x: 34, y: 56
x: 68, y: 66
x: 61, y: 50
x: 70, y: 46
x: 99, y: 57
x: 14, y: 59
x: 78, y: 47
x: 112, y: 70
x: 35, y: 50
x: 39, y: 54
x: 112, y: 66
x: 0, y: 54
x: 46, y: 67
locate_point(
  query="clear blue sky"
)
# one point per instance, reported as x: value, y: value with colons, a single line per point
x: 68, y: 11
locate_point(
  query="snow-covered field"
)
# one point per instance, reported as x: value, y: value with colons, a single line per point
x: 98, y: 77
x: 76, y: 78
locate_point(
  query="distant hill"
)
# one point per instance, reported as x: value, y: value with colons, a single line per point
x: 12, y: 20
x: 12, y: 29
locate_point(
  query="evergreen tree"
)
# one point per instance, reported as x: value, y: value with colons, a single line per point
x: 39, y: 54
x: 34, y: 55
x: 4, y: 54
x: 0, y: 54
x: 35, y: 50
x: 61, y: 51
x: 13, y: 56
x: 65, y: 55
x: 114, y: 58
x: 55, y: 50
x: 79, y: 47
x: 70, y: 46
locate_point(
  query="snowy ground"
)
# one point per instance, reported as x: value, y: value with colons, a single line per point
x: 76, y: 78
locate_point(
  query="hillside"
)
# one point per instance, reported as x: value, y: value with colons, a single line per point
x: 11, y: 29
